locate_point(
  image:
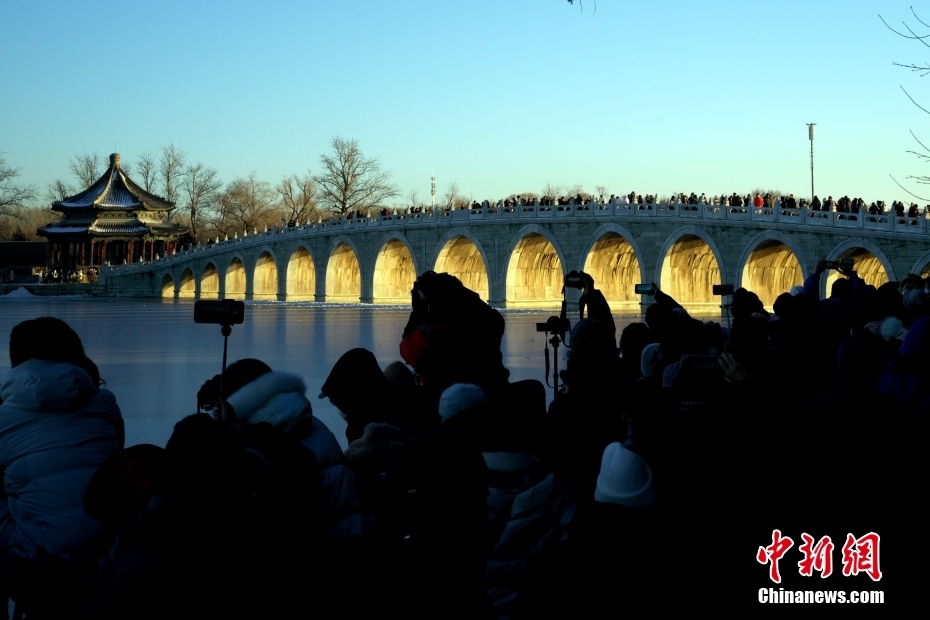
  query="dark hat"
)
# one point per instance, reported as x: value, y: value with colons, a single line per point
x: 355, y: 376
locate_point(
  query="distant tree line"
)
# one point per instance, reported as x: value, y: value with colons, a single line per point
x: 348, y: 183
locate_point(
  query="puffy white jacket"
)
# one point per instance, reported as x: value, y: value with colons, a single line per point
x: 278, y: 398
x: 56, y: 428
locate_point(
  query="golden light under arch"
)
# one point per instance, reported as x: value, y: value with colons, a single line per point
x: 689, y: 272
x: 613, y: 264
x: 461, y: 258
x: 534, y: 274
x: 343, y: 275
x: 301, y: 276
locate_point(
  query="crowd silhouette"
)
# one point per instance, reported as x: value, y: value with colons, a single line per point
x: 668, y: 457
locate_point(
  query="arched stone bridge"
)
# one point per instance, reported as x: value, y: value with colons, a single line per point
x: 516, y: 257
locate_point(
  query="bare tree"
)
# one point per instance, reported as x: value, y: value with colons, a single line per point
x: 413, y: 200
x: 601, y: 190
x: 12, y: 195
x: 199, y: 186
x: 170, y: 170
x: 148, y: 170
x: 350, y: 181
x: 451, y: 199
x: 298, y: 197
x: 244, y: 205
x: 578, y: 189
x: 553, y: 190
x: 58, y: 190
x: 87, y: 168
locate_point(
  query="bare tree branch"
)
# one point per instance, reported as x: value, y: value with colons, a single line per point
x: 87, y: 168
x: 905, y: 189
x: 553, y: 190
x: 914, y: 102
x: 148, y: 170
x: 170, y: 170
x: 199, y: 186
x: 298, y: 197
x: 12, y: 195
x: 58, y: 190
x: 452, y: 199
x: 914, y: 13
x: 246, y: 204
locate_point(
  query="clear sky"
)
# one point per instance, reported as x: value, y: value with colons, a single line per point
x: 500, y: 96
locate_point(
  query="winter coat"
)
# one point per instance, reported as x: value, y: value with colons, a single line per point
x: 278, y: 398
x: 56, y: 428
x: 528, y: 512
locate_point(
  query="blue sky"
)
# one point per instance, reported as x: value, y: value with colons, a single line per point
x: 499, y: 96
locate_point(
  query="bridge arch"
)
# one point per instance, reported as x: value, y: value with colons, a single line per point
x: 209, y: 281
x: 394, y: 270
x: 871, y: 263
x: 771, y: 265
x: 460, y: 254
x: 300, y: 280
x: 187, y: 284
x: 535, y: 269
x: 689, y: 265
x: 234, y: 277
x: 265, y: 275
x: 343, y: 271
x: 613, y: 258
x: 922, y: 265
x: 167, y: 285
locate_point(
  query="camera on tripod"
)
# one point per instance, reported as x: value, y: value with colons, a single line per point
x: 225, y: 313
x: 555, y: 325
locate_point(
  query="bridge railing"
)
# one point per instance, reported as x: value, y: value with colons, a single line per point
x: 886, y: 222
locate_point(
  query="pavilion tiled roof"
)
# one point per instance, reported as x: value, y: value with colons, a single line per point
x: 115, y: 228
x: 113, y: 190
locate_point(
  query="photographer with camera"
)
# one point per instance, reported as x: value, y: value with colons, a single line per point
x: 452, y: 336
x: 592, y: 299
x: 585, y: 414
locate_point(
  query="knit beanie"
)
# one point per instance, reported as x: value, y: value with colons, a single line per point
x: 625, y: 479
x: 458, y: 398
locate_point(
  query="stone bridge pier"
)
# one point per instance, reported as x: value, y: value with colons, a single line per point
x: 518, y: 258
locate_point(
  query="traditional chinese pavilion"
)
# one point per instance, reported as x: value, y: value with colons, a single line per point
x: 112, y: 221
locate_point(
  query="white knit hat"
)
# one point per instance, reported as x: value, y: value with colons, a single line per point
x: 625, y: 479
x: 458, y: 398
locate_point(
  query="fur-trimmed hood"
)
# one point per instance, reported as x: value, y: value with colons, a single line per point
x: 275, y: 397
x: 893, y: 329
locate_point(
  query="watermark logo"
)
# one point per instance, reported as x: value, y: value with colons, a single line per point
x: 817, y: 557
x: 773, y: 553
x: 859, y: 555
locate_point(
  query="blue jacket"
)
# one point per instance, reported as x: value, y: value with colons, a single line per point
x: 56, y: 428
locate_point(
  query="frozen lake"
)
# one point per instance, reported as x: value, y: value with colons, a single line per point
x: 154, y: 358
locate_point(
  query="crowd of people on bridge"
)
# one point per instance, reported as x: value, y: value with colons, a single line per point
x: 736, y: 202
x: 664, y: 461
